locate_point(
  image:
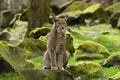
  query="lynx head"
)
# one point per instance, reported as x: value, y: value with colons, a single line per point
x: 60, y: 24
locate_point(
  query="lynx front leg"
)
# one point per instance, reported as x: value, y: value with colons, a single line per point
x: 53, y: 62
x: 47, y: 61
x: 60, y: 62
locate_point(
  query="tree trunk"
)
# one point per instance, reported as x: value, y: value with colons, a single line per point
x: 39, y: 13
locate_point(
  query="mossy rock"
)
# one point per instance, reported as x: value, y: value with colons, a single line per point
x: 91, y: 49
x: 112, y: 60
x: 83, y: 56
x: 7, y: 17
x: 118, y: 24
x: 42, y: 31
x: 69, y: 43
x: 114, y: 19
x: 35, y: 74
x: 24, y: 15
x: 76, y: 5
x: 15, y: 56
x: 85, y: 69
x: 115, y: 77
x: 114, y: 8
x: 111, y: 42
x: 97, y: 11
x: 34, y: 47
x: 92, y: 8
x: 16, y: 34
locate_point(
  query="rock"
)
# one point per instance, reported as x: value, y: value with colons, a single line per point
x: 91, y: 50
x: 43, y: 31
x: 85, y: 70
x: 97, y: 12
x: 76, y: 5
x: 69, y: 44
x: 118, y: 24
x: 24, y: 15
x: 16, y: 34
x: 74, y: 12
x: 112, y: 60
x: 58, y: 2
x: 114, y: 19
x: 7, y: 17
x: 113, y: 8
x: 34, y: 74
x: 115, y: 77
x: 5, y: 66
x: 34, y: 47
x: 15, y: 56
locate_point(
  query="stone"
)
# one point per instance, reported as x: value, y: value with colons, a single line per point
x: 115, y: 77
x: 85, y: 70
x: 91, y: 49
x: 35, y: 74
x: 112, y: 60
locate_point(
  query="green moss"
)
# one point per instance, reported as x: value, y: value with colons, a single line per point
x: 114, y: 8
x: 83, y: 56
x: 86, y: 70
x: 34, y: 47
x: 24, y: 15
x: 77, y: 5
x: 112, y: 60
x: 7, y: 17
x: 115, y: 77
x: 92, y: 8
x: 38, y: 62
x: 74, y: 14
x: 43, y: 31
x: 118, y: 24
x: 69, y: 43
x: 9, y: 76
x: 111, y: 42
x: 90, y: 47
x: 109, y: 71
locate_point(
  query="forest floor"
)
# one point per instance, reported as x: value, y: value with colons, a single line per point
x: 101, y: 33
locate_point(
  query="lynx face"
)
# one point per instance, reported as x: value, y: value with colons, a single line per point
x: 60, y: 25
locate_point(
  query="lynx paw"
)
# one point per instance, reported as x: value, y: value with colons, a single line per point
x: 54, y: 68
x: 61, y: 68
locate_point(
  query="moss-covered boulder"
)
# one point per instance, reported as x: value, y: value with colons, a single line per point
x: 76, y: 5
x: 91, y: 50
x: 16, y: 34
x: 114, y: 19
x: 96, y: 11
x: 34, y: 47
x: 34, y: 74
x: 114, y: 8
x: 42, y: 31
x: 112, y: 60
x: 74, y: 12
x: 24, y: 15
x: 7, y: 17
x: 118, y: 24
x: 69, y: 43
x: 86, y: 70
x: 115, y: 77
x: 14, y: 55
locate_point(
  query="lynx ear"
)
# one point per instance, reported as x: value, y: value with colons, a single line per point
x: 55, y: 19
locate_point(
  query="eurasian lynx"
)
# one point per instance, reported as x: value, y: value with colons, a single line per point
x: 56, y: 56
